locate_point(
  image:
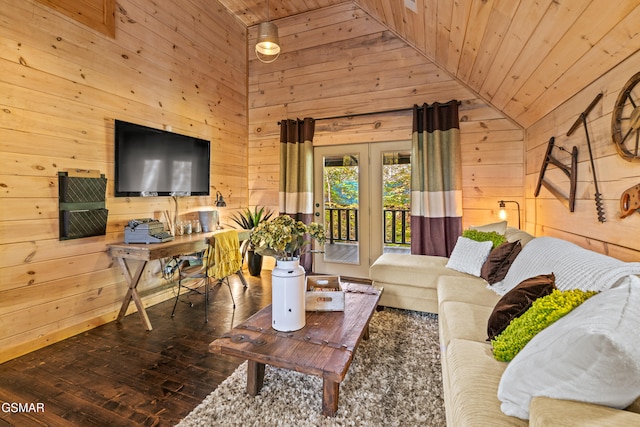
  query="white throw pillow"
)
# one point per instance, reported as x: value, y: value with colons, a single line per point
x: 498, y: 227
x: 590, y: 355
x: 468, y: 256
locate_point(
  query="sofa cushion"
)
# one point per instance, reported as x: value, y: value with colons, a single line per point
x: 469, y: 289
x: 498, y: 227
x: 514, y: 235
x: 409, y: 297
x: 547, y: 412
x: 594, y: 352
x: 473, y: 377
x: 462, y: 320
x: 468, y: 256
x: 412, y: 270
x: 499, y: 261
x: 517, y: 301
x: 543, y: 312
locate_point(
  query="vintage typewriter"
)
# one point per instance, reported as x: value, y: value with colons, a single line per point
x: 146, y: 230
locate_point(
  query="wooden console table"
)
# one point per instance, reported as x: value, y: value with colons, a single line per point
x: 181, y: 245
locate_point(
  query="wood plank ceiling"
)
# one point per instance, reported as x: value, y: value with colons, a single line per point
x: 524, y: 57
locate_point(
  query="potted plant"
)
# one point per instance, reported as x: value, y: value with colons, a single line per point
x: 286, y: 239
x: 248, y: 220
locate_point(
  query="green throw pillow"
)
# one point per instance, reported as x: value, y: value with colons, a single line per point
x: 485, y: 236
x: 542, y: 313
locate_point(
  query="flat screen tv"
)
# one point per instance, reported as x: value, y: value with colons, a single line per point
x: 153, y: 162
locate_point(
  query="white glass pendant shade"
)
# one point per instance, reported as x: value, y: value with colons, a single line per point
x: 503, y: 213
x: 268, y: 43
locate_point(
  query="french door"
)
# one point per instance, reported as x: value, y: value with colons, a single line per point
x: 351, y: 191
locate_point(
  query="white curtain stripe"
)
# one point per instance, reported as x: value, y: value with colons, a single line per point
x: 436, y: 204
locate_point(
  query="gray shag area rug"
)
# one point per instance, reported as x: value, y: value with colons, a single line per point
x: 394, y: 380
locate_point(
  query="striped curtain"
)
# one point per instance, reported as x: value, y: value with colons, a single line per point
x: 296, y: 173
x: 436, y: 179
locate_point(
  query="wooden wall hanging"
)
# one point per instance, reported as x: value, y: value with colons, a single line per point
x: 571, y: 172
x: 81, y: 196
x: 625, y: 121
x: 97, y: 14
x: 583, y: 119
x: 630, y: 201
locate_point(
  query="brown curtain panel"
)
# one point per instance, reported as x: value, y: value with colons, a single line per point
x: 296, y: 173
x: 436, y: 179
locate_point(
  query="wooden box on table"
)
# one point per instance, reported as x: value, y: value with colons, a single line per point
x: 324, y: 293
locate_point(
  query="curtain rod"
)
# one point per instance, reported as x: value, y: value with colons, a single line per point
x: 347, y: 116
x: 371, y: 113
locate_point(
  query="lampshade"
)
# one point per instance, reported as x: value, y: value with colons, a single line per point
x: 268, y: 43
x: 503, y: 213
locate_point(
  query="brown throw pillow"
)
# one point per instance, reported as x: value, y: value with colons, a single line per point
x: 499, y: 261
x: 517, y: 301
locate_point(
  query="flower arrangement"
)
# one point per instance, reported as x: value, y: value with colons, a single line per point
x: 285, y: 238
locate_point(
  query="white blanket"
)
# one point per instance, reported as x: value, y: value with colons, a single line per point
x: 574, y: 267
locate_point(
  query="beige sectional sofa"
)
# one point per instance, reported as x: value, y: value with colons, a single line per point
x: 471, y: 375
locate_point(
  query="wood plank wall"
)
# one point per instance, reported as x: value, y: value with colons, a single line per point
x: 338, y: 60
x: 617, y: 237
x: 62, y: 84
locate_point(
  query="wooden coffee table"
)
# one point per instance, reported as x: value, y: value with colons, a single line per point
x: 324, y: 347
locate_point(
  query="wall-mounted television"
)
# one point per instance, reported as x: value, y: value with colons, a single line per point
x: 153, y: 162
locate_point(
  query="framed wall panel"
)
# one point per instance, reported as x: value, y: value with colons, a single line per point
x: 96, y: 14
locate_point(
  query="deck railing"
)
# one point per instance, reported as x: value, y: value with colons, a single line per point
x: 397, y: 228
x: 343, y: 225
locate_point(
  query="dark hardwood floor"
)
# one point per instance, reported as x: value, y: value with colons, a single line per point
x: 121, y: 374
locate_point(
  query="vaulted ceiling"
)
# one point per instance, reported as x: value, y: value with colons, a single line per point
x: 524, y: 57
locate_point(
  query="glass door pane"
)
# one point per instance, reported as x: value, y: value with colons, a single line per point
x: 341, y: 193
x: 396, y: 201
x: 390, y: 198
x: 341, y: 186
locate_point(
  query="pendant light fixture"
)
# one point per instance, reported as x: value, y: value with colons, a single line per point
x: 268, y: 43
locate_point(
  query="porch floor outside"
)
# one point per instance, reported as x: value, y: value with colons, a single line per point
x: 348, y: 252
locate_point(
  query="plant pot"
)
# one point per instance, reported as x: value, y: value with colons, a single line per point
x: 208, y: 220
x: 254, y: 263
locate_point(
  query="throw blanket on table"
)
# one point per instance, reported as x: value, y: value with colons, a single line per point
x: 574, y: 267
x: 225, y: 259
